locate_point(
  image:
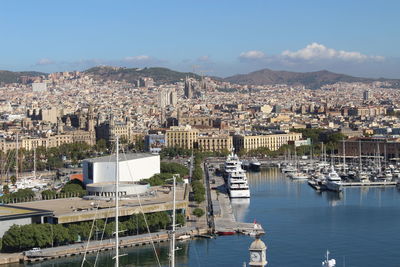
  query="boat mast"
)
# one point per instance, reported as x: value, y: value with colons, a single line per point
x: 16, y: 160
x: 117, y: 204
x: 344, y: 157
x: 34, y: 162
x: 359, y: 153
x: 172, y: 249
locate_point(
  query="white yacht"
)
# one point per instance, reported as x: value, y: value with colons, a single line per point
x: 333, y: 181
x: 298, y: 175
x: 237, y: 184
x: 231, y: 164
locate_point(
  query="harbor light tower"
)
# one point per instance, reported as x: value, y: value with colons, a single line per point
x: 258, y: 253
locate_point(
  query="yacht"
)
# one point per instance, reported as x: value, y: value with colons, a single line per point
x: 237, y: 184
x: 255, y: 165
x: 231, y: 164
x: 298, y: 175
x: 333, y: 181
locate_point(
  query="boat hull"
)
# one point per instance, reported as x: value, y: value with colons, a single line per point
x: 334, y: 186
x: 255, y: 167
x: 239, y: 193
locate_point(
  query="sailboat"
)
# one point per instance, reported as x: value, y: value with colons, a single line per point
x: 328, y: 262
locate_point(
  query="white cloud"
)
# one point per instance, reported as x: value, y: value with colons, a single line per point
x: 204, y: 59
x: 252, y: 55
x: 316, y: 51
x: 44, y: 61
x: 140, y: 58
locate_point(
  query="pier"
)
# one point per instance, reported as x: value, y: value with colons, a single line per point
x: 104, y: 245
x: 224, y: 221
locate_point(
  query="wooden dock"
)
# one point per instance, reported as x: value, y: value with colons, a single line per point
x: 377, y: 183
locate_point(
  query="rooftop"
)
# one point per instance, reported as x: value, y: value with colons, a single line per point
x: 122, y: 157
x: 8, y: 212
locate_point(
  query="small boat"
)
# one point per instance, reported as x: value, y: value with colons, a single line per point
x: 183, y: 237
x: 328, y: 262
x: 298, y: 176
x: 227, y: 232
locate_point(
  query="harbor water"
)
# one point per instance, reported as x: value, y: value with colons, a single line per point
x: 360, y: 227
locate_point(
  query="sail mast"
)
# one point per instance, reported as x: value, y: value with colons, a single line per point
x: 117, y: 204
x: 172, y: 252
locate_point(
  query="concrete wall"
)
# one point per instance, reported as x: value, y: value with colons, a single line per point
x: 6, y: 224
x: 130, y: 170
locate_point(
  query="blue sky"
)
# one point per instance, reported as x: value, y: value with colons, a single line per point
x: 222, y: 37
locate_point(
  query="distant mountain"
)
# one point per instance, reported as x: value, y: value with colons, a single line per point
x: 14, y: 77
x: 160, y: 75
x: 311, y: 80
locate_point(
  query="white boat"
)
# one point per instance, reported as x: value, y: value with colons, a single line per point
x: 232, y: 163
x: 328, y: 262
x: 298, y: 175
x: 363, y: 177
x: 289, y: 169
x: 237, y: 184
x: 333, y: 181
x: 183, y: 237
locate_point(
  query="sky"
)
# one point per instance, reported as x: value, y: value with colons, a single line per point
x: 214, y: 37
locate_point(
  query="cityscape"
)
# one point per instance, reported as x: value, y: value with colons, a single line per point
x: 163, y: 161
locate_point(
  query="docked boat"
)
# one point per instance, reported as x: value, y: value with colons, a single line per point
x: 333, y: 181
x: 237, y: 184
x: 245, y: 164
x: 288, y: 169
x: 255, y: 165
x: 298, y: 175
x: 328, y: 262
x: 231, y: 164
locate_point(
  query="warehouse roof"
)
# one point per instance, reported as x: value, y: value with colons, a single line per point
x: 122, y: 157
x: 8, y: 212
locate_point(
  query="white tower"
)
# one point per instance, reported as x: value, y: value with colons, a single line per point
x: 258, y: 253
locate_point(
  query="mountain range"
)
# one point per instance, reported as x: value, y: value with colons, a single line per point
x: 312, y: 80
x: 160, y: 75
x: 15, y: 77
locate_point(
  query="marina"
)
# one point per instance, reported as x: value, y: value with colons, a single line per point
x: 354, y: 222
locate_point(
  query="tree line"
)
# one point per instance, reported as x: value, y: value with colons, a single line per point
x: 24, y: 237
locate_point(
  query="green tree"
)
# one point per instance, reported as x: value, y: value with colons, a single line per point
x: 12, y: 239
x: 6, y: 189
x: 198, y: 212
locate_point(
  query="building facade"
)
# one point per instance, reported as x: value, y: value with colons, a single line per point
x: 181, y: 136
x: 271, y: 141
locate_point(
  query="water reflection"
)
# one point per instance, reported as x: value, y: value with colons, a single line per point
x: 240, y: 208
x: 137, y: 256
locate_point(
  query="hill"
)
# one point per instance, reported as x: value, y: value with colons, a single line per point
x: 14, y: 77
x: 311, y: 80
x: 160, y: 75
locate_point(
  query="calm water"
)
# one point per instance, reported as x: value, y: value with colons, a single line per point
x: 361, y: 227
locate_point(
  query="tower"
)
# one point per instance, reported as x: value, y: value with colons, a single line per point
x: 258, y: 253
x: 188, y: 88
x: 90, y: 120
x: 366, y: 95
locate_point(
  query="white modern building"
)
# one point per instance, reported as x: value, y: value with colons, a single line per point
x: 132, y: 168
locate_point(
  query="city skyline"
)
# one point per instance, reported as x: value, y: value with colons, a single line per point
x: 223, y: 38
